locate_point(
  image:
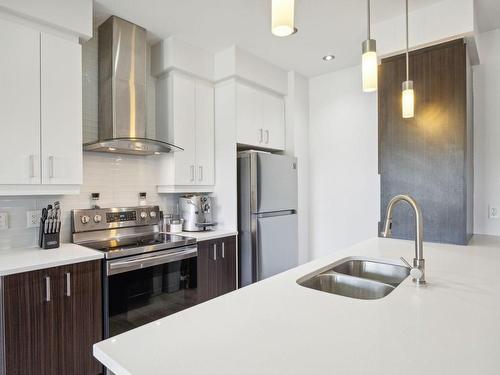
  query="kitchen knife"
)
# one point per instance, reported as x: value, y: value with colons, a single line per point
x: 47, y: 221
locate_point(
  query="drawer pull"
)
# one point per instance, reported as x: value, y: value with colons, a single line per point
x: 68, y: 284
x: 47, y: 289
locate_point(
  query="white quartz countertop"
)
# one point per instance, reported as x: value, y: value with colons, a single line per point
x: 276, y: 327
x: 33, y: 258
x: 209, y: 234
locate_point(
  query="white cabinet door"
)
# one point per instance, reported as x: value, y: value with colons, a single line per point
x: 61, y: 110
x: 273, y: 121
x: 183, y: 118
x: 205, y: 134
x: 260, y: 118
x: 19, y: 104
x: 249, y: 116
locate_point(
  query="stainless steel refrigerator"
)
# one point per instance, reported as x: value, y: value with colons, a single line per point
x: 267, y: 215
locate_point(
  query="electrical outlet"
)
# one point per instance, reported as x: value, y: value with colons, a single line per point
x: 33, y: 219
x: 4, y: 220
x: 493, y: 212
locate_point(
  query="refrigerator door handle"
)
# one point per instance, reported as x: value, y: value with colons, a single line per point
x: 275, y: 213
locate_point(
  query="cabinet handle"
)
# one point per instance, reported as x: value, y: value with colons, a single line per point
x: 215, y: 251
x: 223, y: 251
x: 32, y: 166
x: 267, y: 137
x: 261, y: 135
x: 68, y: 284
x: 51, y: 167
x: 47, y: 288
x: 200, y: 177
x: 192, y: 173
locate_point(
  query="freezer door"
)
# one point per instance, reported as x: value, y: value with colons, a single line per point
x: 275, y: 183
x: 277, y: 249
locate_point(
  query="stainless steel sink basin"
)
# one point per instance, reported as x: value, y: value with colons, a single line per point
x: 366, y: 269
x: 358, y: 278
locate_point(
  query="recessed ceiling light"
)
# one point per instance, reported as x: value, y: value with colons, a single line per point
x: 328, y: 57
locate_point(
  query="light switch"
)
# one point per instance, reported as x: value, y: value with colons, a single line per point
x: 4, y: 220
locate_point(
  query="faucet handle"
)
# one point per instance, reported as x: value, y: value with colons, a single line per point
x: 415, y: 272
x: 406, y: 262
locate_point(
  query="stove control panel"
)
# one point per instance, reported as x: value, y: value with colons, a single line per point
x: 110, y: 218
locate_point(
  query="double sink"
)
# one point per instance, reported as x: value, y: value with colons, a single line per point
x: 360, y: 278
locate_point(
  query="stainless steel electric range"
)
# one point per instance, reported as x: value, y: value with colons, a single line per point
x: 146, y: 274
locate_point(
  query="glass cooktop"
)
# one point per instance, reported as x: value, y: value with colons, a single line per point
x: 131, y: 245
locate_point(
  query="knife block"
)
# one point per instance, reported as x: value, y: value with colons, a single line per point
x: 48, y: 240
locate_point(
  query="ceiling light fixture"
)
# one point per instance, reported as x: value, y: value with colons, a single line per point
x: 282, y: 17
x: 408, y: 93
x: 328, y: 57
x: 369, y: 61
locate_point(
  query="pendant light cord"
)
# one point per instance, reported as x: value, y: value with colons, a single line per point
x: 369, y: 26
x: 407, y: 46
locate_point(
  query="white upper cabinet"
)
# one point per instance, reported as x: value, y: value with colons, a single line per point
x: 273, y: 121
x: 19, y: 104
x: 185, y: 117
x: 61, y: 112
x: 260, y: 118
x: 40, y: 112
x: 205, y: 134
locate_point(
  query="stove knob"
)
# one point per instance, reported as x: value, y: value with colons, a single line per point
x: 152, y: 214
x: 85, y: 219
x: 97, y: 218
x: 144, y: 215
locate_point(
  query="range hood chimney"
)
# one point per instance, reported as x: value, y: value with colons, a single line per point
x: 122, y: 92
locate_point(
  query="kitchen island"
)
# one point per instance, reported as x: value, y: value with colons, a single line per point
x: 449, y: 326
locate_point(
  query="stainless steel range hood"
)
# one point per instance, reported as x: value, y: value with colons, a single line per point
x: 122, y: 92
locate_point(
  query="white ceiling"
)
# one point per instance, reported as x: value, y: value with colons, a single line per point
x: 325, y: 27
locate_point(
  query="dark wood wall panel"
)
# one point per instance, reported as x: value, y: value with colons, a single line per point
x: 426, y: 156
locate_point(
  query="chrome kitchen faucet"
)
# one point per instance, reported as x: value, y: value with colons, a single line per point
x: 417, y: 271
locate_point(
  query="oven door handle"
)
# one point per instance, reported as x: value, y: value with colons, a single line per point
x: 134, y: 264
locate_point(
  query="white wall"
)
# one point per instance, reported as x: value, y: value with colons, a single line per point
x: 343, y: 143
x: 487, y: 133
x: 297, y: 144
x: 441, y: 21
x: 226, y: 188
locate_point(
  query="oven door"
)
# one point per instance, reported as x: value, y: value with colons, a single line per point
x: 144, y: 288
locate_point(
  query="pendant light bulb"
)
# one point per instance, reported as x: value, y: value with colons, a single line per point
x: 369, y: 66
x: 282, y: 23
x: 408, y: 100
x: 369, y: 61
x: 408, y: 95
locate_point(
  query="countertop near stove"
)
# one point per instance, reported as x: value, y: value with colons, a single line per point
x: 209, y: 234
x: 33, y: 258
x: 274, y: 327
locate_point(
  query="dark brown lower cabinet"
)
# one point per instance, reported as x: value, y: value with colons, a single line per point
x: 52, y: 317
x: 217, y: 264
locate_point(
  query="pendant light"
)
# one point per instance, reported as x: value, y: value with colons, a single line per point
x: 369, y: 63
x: 408, y: 94
x: 282, y: 18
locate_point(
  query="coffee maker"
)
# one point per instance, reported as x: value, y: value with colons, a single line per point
x: 197, y: 212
